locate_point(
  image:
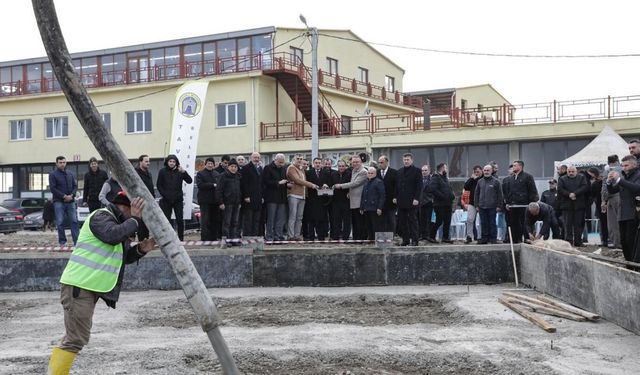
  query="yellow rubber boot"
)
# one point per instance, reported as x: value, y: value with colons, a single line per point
x: 60, y: 362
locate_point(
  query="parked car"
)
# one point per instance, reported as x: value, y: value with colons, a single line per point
x: 10, y: 221
x: 33, y: 221
x: 24, y: 206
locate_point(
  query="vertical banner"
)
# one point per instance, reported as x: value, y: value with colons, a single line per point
x: 187, y: 115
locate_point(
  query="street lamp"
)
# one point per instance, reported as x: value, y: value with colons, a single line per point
x: 313, y: 32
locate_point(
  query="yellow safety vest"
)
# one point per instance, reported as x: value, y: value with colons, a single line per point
x: 93, y: 265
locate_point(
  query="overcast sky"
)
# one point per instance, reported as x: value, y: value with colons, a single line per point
x: 543, y: 27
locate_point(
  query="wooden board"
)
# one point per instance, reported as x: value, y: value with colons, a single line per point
x: 572, y: 309
x: 545, y: 310
x: 528, y: 315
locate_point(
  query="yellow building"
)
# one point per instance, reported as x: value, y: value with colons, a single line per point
x: 259, y: 98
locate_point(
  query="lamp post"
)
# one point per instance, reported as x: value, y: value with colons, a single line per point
x: 315, y: 142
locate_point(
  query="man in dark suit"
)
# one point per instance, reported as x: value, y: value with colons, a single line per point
x: 426, y: 206
x: 341, y: 213
x: 251, y: 196
x: 211, y: 217
x: 316, y: 206
x: 407, y: 197
x: 389, y: 176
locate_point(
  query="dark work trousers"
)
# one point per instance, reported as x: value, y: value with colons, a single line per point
x: 388, y: 219
x: 341, y: 221
x: 358, y: 225
x: 231, y: 215
x: 210, y: 219
x: 408, y: 221
x: 443, y: 217
x: 488, y: 227
x: 573, y: 225
x: 373, y: 223
x: 177, y: 208
x: 318, y: 228
x: 515, y: 219
x: 560, y: 235
x: 426, y: 212
x: 628, y: 233
x: 94, y: 205
x: 250, y: 221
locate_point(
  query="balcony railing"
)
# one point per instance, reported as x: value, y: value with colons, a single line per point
x: 218, y: 66
x: 505, y: 115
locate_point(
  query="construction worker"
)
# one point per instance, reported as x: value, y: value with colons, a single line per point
x: 95, y: 271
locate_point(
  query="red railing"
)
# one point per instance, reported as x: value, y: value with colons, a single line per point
x: 505, y: 115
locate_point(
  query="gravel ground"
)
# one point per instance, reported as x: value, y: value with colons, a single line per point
x: 368, y: 330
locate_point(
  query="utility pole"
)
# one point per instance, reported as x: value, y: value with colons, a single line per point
x: 315, y: 141
x: 87, y: 113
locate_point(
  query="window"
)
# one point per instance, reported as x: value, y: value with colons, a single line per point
x: 332, y: 66
x: 363, y: 74
x: 20, y: 130
x: 231, y: 114
x: 389, y: 84
x: 463, y: 104
x: 139, y: 122
x: 193, y: 58
x: 297, y: 56
x: 106, y: 119
x: 345, y: 124
x: 57, y: 127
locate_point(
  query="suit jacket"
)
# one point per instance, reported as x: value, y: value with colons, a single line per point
x: 316, y: 206
x: 408, y: 186
x: 251, y: 187
x: 355, y: 186
x: 390, y: 180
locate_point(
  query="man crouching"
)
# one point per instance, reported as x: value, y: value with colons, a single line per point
x: 95, y: 270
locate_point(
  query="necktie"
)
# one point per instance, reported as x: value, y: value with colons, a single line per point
x: 259, y: 169
x: 383, y: 173
x: 317, y: 173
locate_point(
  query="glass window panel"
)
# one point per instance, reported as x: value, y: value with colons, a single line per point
x: 5, y: 75
x: 440, y: 155
x: 172, y: 61
x: 244, y: 46
x: 209, y: 57
x: 193, y: 57
x: 231, y: 114
x: 130, y: 122
x: 14, y: 130
x: 147, y: 116
x: 34, y: 74
x: 119, y: 67
x: 89, y: 71
x: 156, y: 62
x: 262, y: 49
x: 457, y: 162
x: 241, y: 114
x: 530, y: 153
x: 477, y: 155
x: 576, y: 145
x: 553, y: 151
x: 227, y: 53
x: 222, y: 116
x: 139, y: 121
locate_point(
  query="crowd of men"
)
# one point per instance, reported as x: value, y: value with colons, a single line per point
x: 355, y: 199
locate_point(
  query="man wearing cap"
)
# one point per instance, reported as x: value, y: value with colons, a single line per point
x: 95, y: 271
x: 169, y: 186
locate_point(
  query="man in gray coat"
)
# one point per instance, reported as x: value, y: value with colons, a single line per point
x: 488, y: 201
x: 355, y: 186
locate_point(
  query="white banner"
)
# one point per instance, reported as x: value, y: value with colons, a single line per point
x: 187, y: 116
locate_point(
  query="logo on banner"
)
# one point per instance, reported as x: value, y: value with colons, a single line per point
x: 189, y: 104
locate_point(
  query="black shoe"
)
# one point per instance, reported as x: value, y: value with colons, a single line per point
x: 483, y: 242
x: 493, y: 242
x: 404, y: 244
x: 468, y: 240
x: 447, y: 241
x: 432, y: 240
x: 414, y: 243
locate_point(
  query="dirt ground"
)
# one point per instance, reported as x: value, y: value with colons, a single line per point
x: 368, y: 330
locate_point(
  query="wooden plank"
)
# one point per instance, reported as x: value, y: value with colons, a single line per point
x: 572, y: 309
x: 529, y: 299
x: 528, y: 315
x: 544, y: 310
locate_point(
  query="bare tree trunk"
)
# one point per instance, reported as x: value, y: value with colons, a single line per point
x: 82, y: 105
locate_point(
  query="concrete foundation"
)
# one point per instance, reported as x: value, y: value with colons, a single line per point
x: 244, y: 267
x: 610, y: 291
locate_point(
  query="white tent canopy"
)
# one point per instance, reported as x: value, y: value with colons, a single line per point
x: 608, y: 142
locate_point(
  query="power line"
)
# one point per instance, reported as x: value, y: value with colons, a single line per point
x: 488, y: 54
x: 138, y: 96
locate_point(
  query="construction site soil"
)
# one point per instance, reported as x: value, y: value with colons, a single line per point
x: 367, y: 330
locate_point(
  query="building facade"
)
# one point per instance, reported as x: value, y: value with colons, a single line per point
x: 259, y: 98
